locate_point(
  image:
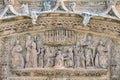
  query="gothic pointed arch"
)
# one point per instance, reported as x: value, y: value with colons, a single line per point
x: 9, y: 11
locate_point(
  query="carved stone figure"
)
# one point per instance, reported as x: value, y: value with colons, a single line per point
x: 72, y: 6
x: 34, y: 17
x: 101, y: 56
x: 50, y: 56
x: 25, y: 9
x: 115, y: 70
x: 4, y: 69
x: 76, y: 57
x: 47, y: 6
x: 87, y: 17
x: 17, y: 58
x: 69, y: 58
x: 29, y: 52
x: 32, y: 53
x: 41, y: 58
x: 89, y: 52
x: 59, y: 61
x: 35, y: 54
x: 79, y: 57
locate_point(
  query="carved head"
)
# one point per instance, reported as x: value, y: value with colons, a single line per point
x: 29, y: 37
x: 47, y: 50
x: 89, y: 37
x: 101, y: 43
x: 34, y: 45
x: 17, y: 42
x: 59, y: 52
x: 70, y: 49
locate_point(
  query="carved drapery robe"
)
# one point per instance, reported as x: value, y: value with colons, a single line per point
x: 59, y: 60
x: 89, y: 54
x: 41, y: 58
x: 69, y: 58
x: 35, y: 54
x: 101, y: 56
x: 29, y: 54
x: 50, y: 58
x: 76, y: 57
x: 17, y: 58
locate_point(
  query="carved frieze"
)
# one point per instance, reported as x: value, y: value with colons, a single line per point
x: 29, y: 55
x: 15, y: 25
x: 54, y: 20
x: 104, y: 25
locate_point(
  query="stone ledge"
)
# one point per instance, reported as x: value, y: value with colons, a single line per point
x: 55, y: 78
x: 60, y: 72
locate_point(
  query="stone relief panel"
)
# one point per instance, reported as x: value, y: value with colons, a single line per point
x: 27, y: 55
x: 29, y: 51
x: 62, y: 51
x: 96, y: 51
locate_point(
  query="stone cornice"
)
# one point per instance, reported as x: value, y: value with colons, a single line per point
x: 62, y: 6
x: 40, y: 19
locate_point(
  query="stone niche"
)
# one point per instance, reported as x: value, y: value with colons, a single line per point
x: 59, y: 50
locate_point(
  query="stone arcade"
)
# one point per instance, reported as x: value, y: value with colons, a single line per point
x: 59, y: 40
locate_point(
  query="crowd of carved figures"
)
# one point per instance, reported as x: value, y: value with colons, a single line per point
x: 84, y: 55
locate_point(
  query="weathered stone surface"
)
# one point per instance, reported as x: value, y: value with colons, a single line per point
x: 59, y: 40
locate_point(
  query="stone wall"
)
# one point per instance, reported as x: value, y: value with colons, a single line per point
x: 59, y: 40
x: 49, y: 51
